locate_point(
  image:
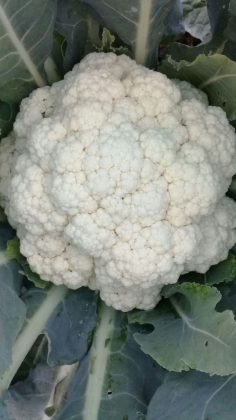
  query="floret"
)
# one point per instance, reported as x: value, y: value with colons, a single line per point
x: 117, y: 180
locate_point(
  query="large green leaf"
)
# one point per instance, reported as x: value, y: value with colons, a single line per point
x: 190, y: 333
x: 67, y: 319
x: 195, y: 396
x: 26, y: 29
x: 115, y: 380
x: 75, y: 314
x: 139, y: 24
x: 12, y: 308
x: 112, y: 380
x: 215, y: 75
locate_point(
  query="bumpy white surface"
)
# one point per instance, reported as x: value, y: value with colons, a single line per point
x: 118, y: 181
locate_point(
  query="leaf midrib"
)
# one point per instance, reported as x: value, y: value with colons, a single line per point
x: 215, y: 79
x: 212, y: 396
x: 185, y: 319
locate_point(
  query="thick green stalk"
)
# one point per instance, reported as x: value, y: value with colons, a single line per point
x: 143, y: 31
x: 99, y: 357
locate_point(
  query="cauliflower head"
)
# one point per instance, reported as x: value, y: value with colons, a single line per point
x: 115, y: 179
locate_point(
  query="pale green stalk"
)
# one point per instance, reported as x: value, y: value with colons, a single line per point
x: 30, y: 333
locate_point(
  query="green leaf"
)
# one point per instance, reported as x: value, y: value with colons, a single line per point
x: 58, y: 51
x: 218, y: 11
x: 225, y: 271
x: 3, y: 216
x: 13, y: 252
x: 12, y: 315
x: 230, y: 31
x: 30, y: 398
x: 13, y: 249
x: 108, y: 44
x: 113, y: 380
x: 40, y: 395
x: 215, y: 75
x: 218, y: 16
x: 37, y: 354
x: 198, y: 25
x: 138, y: 24
x: 190, y: 333
x: 67, y: 319
x: 195, y: 396
x: 76, y: 316
x: 7, y: 117
x: 12, y: 308
x: 189, y: 5
x: 34, y: 326
x: 26, y: 30
x: 77, y: 27
x: 174, y: 22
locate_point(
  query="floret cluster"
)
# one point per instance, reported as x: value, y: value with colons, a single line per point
x: 115, y: 178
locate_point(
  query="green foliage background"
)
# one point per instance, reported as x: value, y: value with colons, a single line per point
x: 52, y: 339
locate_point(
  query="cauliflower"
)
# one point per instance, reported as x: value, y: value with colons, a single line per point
x: 117, y: 181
